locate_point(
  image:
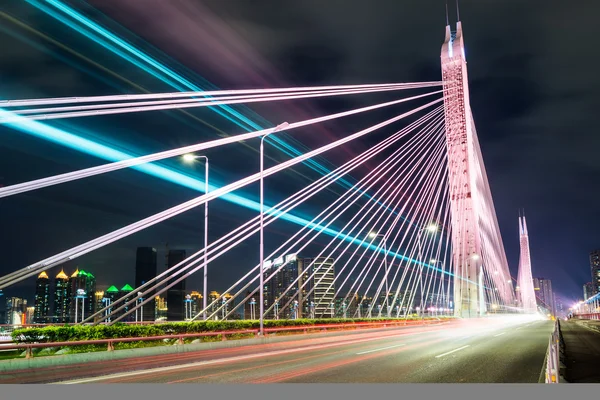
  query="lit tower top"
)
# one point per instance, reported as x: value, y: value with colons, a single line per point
x: 112, y: 289
x: 75, y: 274
x: 62, y: 275
x: 127, y: 288
x: 43, y: 275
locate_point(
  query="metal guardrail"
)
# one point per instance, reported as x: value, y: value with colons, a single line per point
x: 593, y: 316
x: 553, y: 356
x: 180, y: 337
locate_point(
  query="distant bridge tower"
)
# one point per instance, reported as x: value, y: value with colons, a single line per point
x: 466, y: 243
x: 525, y: 278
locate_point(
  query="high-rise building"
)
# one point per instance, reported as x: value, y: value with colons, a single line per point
x: 160, y: 308
x: 212, y: 302
x: 588, y: 290
x: 196, y: 303
x: 111, y: 295
x: 595, y: 269
x: 286, y: 279
x: 82, y: 287
x: 42, y: 300
x: 146, y: 270
x: 61, y: 298
x: 127, y: 292
x: 29, y: 317
x: 314, y: 278
x: 16, y: 309
x: 176, y: 294
x: 544, y: 294
x: 320, y: 275
x: 98, y: 301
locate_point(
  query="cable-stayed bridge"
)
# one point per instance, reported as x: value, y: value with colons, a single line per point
x: 421, y: 225
x: 415, y: 233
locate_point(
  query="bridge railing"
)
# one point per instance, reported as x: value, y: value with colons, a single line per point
x: 594, y: 316
x: 109, y: 343
x: 554, y: 355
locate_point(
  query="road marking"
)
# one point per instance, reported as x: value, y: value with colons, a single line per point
x: 383, y: 348
x: 229, y: 359
x: 500, y: 334
x: 450, y: 352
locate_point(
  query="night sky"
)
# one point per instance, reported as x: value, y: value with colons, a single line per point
x: 533, y: 81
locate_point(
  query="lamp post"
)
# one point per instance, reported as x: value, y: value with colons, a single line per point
x: 223, y: 308
x: 431, y: 228
x: 141, y: 300
x: 262, y: 261
x: 252, y: 303
x: 107, y: 302
x: 80, y: 295
x: 190, y: 158
x: 276, y: 309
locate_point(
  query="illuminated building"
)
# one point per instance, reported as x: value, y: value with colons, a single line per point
x: 196, y: 298
x: 544, y: 294
x: 160, y: 308
x: 595, y: 269
x: 42, y: 300
x: 29, y: 318
x: 213, y: 298
x: 98, y: 301
x: 317, y: 293
x: 16, y: 308
x: 85, y: 281
x: 588, y: 290
x: 127, y: 291
x: 321, y: 283
x: 61, y: 298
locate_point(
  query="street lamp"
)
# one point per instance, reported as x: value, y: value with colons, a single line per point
x: 141, y: 300
x: 431, y: 228
x: 252, y: 303
x: 80, y: 295
x: 190, y: 158
x: 188, y: 305
x: 262, y: 261
x: 387, y: 288
x: 106, y: 301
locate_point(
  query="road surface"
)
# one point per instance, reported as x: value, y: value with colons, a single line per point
x: 500, y: 351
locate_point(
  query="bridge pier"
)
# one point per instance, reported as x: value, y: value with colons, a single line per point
x: 466, y: 246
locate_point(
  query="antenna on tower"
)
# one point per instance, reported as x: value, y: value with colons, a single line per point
x: 457, y: 12
x: 447, y: 17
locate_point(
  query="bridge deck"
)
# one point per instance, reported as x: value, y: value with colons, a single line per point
x: 582, y: 351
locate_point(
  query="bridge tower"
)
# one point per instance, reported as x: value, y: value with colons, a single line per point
x: 524, y: 277
x: 466, y: 242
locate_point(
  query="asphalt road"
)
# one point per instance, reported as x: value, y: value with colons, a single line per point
x: 500, y: 351
x: 582, y: 351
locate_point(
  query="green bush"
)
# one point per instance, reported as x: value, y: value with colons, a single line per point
x: 69, y: 333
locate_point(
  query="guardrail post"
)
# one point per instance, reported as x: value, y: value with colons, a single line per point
x: 28, y: 352
x: 110, y: 346
x: 180, y: 340
x: 223, y: 337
